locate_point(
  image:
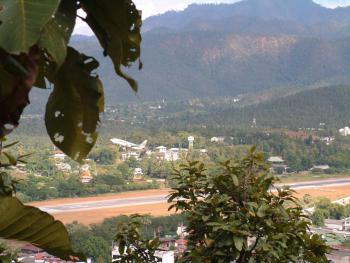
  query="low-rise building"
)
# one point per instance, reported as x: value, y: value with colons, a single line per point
x: 131, y: 154
x: 345, y: 131
x: 165, y: 256
x: 170, y: 155
x: 277, y: 165
x: 217, y: 139
x: 322, y: 167
x: 346, y: 224
x: 327, y: 140
x: 167, y: 243
x: 32, y: 254
x: 59, y: 156
x: 334, y: 224
x: 64, y: 167
x: 85, y: 177
x: 339, y: 225
x: 138, y: 175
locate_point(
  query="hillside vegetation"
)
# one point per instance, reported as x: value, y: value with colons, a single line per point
x: 306, y: 109
x: 210, y: 51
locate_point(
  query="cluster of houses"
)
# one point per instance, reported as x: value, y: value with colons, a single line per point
x: 162, y: 153
x: 339, y: 225
x: 169, y: 249
x: 279, y: 166
x: 84, y: 171
x: 31, y: 254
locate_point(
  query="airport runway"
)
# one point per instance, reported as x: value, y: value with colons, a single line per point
x: 95, y: 205
x: 156, y: 199
x: 321, y: 183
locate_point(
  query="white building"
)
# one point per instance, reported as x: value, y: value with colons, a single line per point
x: 275, y: 160
x: 345, y: 131
x: 165, y: 256
x: 128, y: 155
x: 346, y: 224
x: 138, y: 171
x: 322, y: 167
x: 190, y: 142
x: 217, y: 139
x: 277, y: 163
x: 170, y: 155
x: 327, y: 140
x: 64, y: 167
x: 138, y: 174
x: 161, y: 149
x: 59, y: 156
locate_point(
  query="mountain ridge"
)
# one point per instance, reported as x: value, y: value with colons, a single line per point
x: 233, y: 54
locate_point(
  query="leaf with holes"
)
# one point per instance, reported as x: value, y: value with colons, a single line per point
x: 57, y: 32
x: 22, y: 23
x: 73, y: 109
x: 117, y: 25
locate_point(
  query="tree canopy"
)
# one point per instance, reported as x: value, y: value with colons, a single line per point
x: 237, y: 213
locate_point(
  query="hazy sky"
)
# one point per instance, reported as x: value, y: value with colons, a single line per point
x: 154, y: 7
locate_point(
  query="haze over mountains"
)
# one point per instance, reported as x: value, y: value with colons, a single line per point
x: 230, y: 49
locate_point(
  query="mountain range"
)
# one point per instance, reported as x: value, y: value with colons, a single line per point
x: 231, y: 49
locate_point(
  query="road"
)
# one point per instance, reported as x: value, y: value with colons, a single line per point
x: 156, y: 199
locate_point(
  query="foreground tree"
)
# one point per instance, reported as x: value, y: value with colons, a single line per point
x: 131, y: 244
x: 239, y: 214
x: 34, y: 52
x: 235, y: 214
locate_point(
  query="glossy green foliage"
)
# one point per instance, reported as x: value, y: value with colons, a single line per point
x: 234, y: 214
x: 132, y: 246
x: 34, y: 52
x: 23, y: 22
x: 26, y: 223
x: 57, y: 32
x: 117, y: 25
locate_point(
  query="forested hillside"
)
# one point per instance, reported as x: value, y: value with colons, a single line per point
x: 306, y: 109
x: 211, y: 51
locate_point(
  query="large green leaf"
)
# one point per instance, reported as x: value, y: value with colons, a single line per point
x: 23, y: 21
x: 57, y: 32
x: 73, y: 109
x: 117, y: 25
x: 26, y: 223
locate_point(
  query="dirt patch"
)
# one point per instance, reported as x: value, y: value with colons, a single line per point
x: 333, y: 193
x: 97, y: 216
